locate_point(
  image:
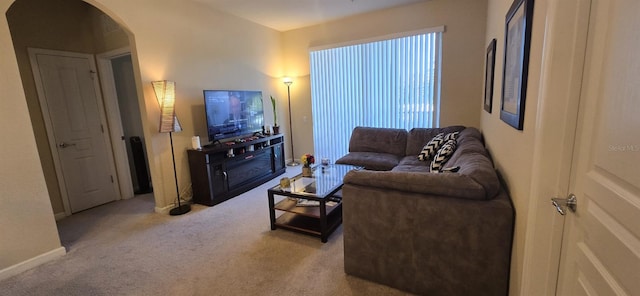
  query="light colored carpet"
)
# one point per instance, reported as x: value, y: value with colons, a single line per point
x: 124, y: 248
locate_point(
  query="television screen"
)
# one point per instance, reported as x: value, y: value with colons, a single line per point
x: 232, y: 113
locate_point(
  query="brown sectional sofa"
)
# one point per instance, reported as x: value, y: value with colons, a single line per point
x: 425, y: 232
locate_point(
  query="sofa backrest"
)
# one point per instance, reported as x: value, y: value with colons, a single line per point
x: 475, y: 179
x: 474, y: 161
x: 381, y: 140
x: 418, y: 137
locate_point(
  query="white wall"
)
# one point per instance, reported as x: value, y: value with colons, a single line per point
x: 27, y: 225
x: 463, y: 50
x: 512, y: 150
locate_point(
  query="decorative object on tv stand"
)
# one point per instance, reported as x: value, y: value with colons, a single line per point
x: 195, y: 143
x: 275, y: 127
x: 288, y: 81
x: 166, y: 95
x: 307, y: 161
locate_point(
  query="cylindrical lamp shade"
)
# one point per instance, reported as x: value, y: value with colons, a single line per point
x: 166, y: 96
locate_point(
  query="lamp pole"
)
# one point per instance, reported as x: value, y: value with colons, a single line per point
x: 166, y: 94
x: 287, y: 81
x: 181, y: 208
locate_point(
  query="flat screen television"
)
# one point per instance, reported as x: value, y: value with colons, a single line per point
x: 233, y: 113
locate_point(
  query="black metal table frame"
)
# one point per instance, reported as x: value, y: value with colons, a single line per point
x: 326, y: 228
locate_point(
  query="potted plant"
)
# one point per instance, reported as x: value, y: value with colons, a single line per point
x: 276, y: 127
x: 307, y: 160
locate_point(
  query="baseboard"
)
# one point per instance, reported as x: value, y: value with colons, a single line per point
x: 31, y: 263
x: 163, y: 210
x: 60, y: 216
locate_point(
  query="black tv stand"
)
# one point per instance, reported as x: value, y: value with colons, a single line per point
x: 224, y: 170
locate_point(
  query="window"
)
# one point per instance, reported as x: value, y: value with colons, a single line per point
x: 384, y: 83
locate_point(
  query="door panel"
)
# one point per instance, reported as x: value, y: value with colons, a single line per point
x: 601, y: 250
x: 66, y: 85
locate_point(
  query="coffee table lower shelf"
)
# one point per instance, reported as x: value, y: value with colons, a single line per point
x: 309, y: 225
x: 324, y: 187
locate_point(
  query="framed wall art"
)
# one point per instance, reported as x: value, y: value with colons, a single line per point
x: 488, y: 75
x: 516, y: 62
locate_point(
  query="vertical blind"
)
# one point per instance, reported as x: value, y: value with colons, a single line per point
x: 389, y: 83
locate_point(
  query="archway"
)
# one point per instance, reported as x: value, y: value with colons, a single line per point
x: 76, y: 26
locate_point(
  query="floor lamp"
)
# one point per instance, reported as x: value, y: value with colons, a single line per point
x: 288, y: 81
x: 166, y: 95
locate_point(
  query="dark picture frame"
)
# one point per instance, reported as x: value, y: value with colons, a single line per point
x: 516, y: 62
x: 489, y: 74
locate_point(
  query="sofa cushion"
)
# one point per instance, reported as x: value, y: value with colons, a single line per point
x: 418, y: 137
x: 444, y: 154
x: 380, y: 140
x: 412, y: 164
x: 371, y: 160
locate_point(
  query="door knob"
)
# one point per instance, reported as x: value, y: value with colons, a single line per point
x: 561, y: 204
x: 65, y: 145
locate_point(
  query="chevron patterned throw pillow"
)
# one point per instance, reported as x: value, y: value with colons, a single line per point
x: 451, y: 136
x: 443, y: 155
x: 429, y: 150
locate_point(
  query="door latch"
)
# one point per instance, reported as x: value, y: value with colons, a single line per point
x: 562, y: 204
x: 65, y: 145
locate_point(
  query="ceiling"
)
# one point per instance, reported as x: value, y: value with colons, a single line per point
x: 284, y: 15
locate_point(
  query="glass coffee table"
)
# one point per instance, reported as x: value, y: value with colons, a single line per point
x: 312, y: 205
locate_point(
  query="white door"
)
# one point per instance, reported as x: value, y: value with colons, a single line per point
x: 601, y: 247
x: 76, y: 127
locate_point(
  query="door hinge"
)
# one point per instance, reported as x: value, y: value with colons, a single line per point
x: 92, y: 74
x: 111, y: 178
x: 102, y: 128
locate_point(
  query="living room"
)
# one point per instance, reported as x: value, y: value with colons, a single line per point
x: 200, y: 48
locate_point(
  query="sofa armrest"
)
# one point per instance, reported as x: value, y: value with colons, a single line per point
x: 427, y: 244
x: 371, y: 160
x: 440, y: 184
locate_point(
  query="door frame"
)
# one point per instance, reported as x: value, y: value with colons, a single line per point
x: 44, y: 109
x: 110, y: 97
x: 563, y: 51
